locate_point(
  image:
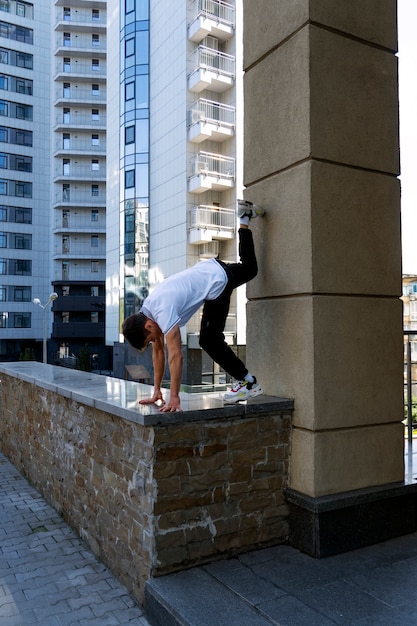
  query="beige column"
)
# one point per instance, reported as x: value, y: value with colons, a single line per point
x: 322, y: 156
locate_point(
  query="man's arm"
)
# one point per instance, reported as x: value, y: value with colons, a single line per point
x: 158, y: 359
x: 175, y: 361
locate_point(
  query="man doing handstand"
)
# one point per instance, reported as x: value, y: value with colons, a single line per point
x: 175, y: 300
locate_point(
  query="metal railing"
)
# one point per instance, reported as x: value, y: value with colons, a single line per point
x: 410, y: 405
x: 204, y: 216
x: 210, y: 111
x: 215, y: 9
x: 211, y: 164
x: 210, y: 59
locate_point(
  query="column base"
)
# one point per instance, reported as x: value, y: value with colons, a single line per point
x: 338, y: 523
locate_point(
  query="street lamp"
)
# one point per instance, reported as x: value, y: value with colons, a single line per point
x: 52, y: 297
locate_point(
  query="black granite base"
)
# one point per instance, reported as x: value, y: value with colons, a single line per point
x: 338, y: 523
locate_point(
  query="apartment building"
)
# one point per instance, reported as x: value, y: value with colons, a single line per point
x: 172, y: 201
x: 24, y: 174
x: 79, y: 180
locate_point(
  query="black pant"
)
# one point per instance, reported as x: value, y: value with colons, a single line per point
x: 215, y: 311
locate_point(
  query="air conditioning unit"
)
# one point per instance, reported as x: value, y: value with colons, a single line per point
x: 195, y: 116
x: 209, y: 250
x: 200, y: 167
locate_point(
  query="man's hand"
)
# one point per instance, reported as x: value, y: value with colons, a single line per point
x: 174, y: 404
x: 157, y: 396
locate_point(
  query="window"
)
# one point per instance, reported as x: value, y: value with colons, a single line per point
x: 65, y: 270
x: 94, y: 317
x: 66, y: 141
x: 94, y: 290
x: 4, y: 82
x: 22, y: 294
x: 95, y: 65
x: 66, y: 192
x: 130, y: 47
x: 22, y: 59
x: 66, y: 116
x: 129, y: 135
x: 3, y: 320
x: 65, y: 218
x: 22, y: 215
x: 3, y: 240
x: 95, y: 15
x: 21, y: 320
x: 94, y: 215
x: 21, y: 267
x: 23, y: 242
x: 22, y: 189
x: 129, y: 179
x: 67, y: 13
x: 95, y: 90
x: 95, y: 115
x: 94, y: 241
x: 3, y: 294
x: 95, y: 39
x: 21, y: 137
x: 67, y: 64
x: 65, y: 290
x: 94, y: 266
x: 95, y: 140
x: 4, y: 109
x: 4, y: 164
x: 24, y: 112
x: 65, y: 317
x: 130, y: 91
x: 67, y: 90
x: 94, y: 190
x: 66, y: 167
x: 67, y: 39
x: 3, y: 187
x: 129, y: 6
x: 95, y: 165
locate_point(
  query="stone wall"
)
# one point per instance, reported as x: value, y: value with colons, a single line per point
x: 156, y: 494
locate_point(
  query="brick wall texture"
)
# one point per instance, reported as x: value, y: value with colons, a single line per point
x: 153, y: 499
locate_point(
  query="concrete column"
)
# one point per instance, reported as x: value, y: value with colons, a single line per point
x: 322, y: 156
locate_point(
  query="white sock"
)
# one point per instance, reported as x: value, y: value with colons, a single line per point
x: 249, y: 378
x: 245, y: 220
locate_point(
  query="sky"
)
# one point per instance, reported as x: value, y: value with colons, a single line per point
x: 407, y: 55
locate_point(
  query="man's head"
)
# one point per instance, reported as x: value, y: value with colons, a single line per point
x: 139, y: 330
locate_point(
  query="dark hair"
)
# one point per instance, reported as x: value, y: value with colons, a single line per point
x: 134, y: 331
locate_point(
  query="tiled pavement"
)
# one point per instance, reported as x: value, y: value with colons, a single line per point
x: 49, y: 577
x: 47, y: 574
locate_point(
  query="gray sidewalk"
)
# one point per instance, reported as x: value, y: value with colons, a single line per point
x: 49, y: 577
x: 47, y: 574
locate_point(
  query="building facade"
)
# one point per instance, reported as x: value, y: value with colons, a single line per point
x: 79, y: 180
x: 24, y: 174
x: 174, y: 170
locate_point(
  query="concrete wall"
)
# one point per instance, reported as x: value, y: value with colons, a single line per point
x: 322, y: 156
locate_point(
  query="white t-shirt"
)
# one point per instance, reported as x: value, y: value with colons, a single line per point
x: 178, y: 297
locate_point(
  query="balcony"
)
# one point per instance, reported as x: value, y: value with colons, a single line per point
x: 208, y: 223
x: 209, y: 120
x: 211, y: 172
x: 212, y: 70
x: 77, y: 330
x: 211, y: 17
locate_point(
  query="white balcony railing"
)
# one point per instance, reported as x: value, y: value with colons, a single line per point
x: 220, y: 11
x: 211, y: 17
x: 211, y: 217
x: 210, y: 111
x: 210, y: 164
x: 209, y: 120
x: 208, y: 58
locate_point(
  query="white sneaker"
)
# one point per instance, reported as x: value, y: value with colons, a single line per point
x: 243, y: 390
x: 248, y: 209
